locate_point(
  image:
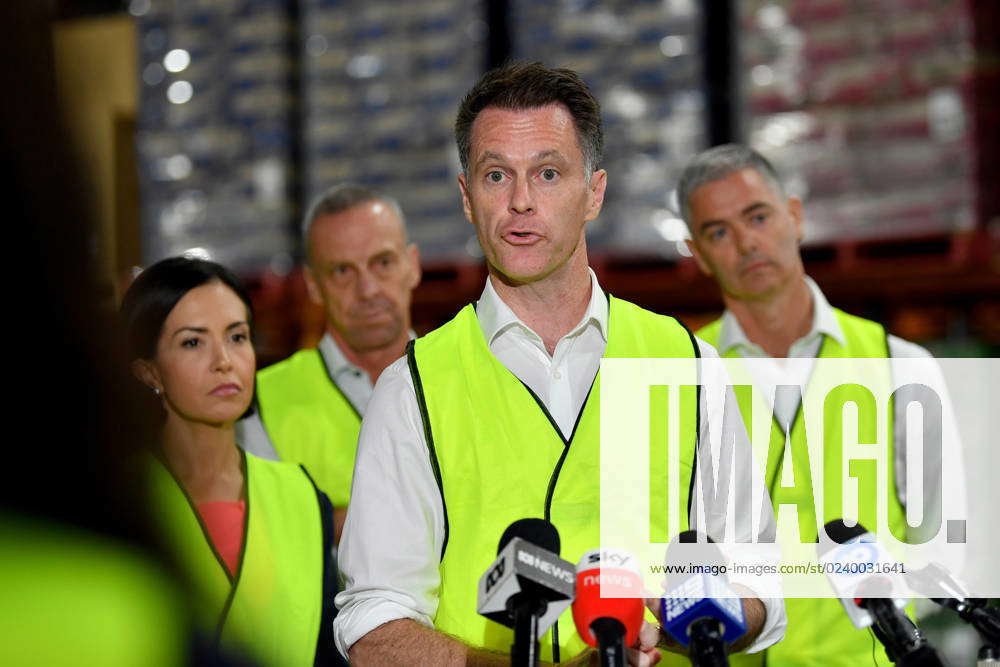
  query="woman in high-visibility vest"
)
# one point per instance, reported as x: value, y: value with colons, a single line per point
x: 253, y: 536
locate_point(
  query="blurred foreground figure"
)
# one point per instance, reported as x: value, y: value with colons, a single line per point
x: 82, y: 579
x: 362, y: 270
x: 253, y: 536
x: 745, y: 234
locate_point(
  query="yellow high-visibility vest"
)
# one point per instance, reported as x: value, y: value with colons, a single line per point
x: 498, y: 457
x: 310, y: 421
x: 819, y: 631
x: 271, y: 608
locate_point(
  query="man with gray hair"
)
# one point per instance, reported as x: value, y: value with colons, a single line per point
x: 362, y: 270
x: 745, y: 233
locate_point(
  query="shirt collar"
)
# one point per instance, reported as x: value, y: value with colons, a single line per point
x: 824, y: 322
x: 495, y: 316
x: 824, y: 319
x: 335, y: 359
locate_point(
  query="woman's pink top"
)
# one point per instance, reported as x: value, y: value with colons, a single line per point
x: 224, y: 522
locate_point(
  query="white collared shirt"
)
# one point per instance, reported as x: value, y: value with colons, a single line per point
x: 825, y: 323
x: 389, y: 553
x: 352, y: 381
x: 561, y: 381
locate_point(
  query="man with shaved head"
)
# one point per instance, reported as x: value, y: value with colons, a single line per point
x: 361, y: 269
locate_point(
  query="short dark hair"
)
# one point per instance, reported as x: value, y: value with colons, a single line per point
x: 155, y: 292
x: 519, y: 86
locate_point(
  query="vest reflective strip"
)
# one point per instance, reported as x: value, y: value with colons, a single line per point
x: 310, y: 421
x: 273, y: 605
x: 819, y: 631
x: 493, y: 469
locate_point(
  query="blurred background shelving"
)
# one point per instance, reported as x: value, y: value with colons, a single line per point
x: 209, y: 124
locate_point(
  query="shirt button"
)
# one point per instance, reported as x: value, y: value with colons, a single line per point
x: 557, y: 375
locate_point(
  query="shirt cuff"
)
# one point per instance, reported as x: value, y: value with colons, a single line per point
x: 359, y: 617
x: 774, y: 625
x: 765, y: 587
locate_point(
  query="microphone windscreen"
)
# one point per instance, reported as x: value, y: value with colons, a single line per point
x: 537, y: 531
x: 705, y: 553
x: 608, y: 585
x: 840, y: 532
x: 701, y: 596
x: 691, y: 537
x: 849, y: 558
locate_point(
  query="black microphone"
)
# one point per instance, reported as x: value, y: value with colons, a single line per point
x: 939, y: 586
x: 528, y: 585
x: 869, y: 600
x: 698, y: 609
x: 975, y: 612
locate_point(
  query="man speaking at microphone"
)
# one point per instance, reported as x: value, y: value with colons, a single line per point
x: 494, y: 416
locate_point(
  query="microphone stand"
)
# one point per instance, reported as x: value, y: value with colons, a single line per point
x: 986, y: 621
x: 904, y: 644
x: 707, y: 648
x: 974, y: 611
x: 610, y: 635
x: 526, y: 612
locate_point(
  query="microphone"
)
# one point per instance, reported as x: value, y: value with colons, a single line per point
x: 528, y: 585
x: 933, y: 581
x: 872, y: 598
x: 939, y: 586
x: 986, y: 620
x: 698, y: 610
x: 608, y: 608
